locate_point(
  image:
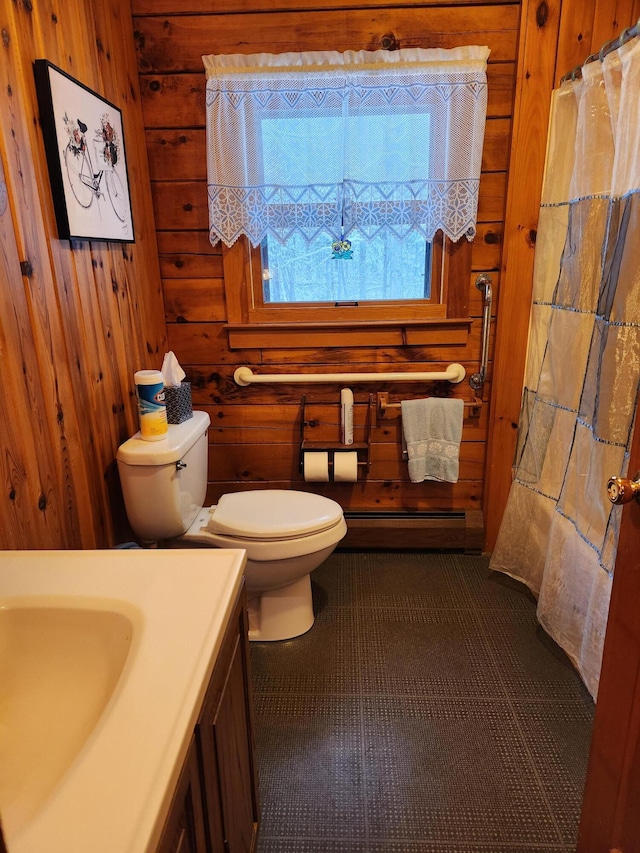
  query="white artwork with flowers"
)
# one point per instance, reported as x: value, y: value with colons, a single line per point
x: 84, y: 143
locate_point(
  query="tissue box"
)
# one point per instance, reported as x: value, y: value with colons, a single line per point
x: 178, y: 400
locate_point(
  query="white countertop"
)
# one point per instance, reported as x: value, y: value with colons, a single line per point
x: 114, y: 796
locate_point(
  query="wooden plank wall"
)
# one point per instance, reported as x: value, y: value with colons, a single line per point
x: 78, y: 318
x: 85, y: 316
x: 256, y: 430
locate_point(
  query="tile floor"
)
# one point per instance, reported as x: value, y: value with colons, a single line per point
x: 425, y: 712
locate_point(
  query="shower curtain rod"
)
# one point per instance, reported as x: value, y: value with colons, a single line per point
x: 607, y: 47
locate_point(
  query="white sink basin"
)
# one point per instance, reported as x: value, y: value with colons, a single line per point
x: 60, y: 662
x: 105, y: 657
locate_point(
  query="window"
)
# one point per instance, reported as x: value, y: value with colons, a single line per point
x: 355, y: 269
x: 354, y: 272
x: 258, y: 322
x: 343, y: 185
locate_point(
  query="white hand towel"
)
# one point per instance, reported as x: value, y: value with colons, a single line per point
x: 432, y: 430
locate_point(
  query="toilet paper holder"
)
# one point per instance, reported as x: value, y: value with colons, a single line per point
x: 362, y: 448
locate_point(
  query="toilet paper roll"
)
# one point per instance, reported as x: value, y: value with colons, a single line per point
x: 316, y: 467
x: 345, y: 467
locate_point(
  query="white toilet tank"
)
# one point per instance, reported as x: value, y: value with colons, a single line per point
x: 164, y: 483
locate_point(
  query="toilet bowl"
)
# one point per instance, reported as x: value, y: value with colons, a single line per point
x: 286, y: 533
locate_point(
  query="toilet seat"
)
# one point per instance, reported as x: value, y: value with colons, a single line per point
x: 273, y: 514
x: 269, y: 550
x: 270, y: 524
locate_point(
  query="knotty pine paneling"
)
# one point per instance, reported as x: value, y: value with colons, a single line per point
x: 237, y: 424
x: 86, y: 315
x: 177, y: 43
x: 80, y: 317
x: 257, y: 463
x: 371, y: 494
x: 585, y: 27
x: 168, y: 7
x: 202, y: 343
x: 255, y: 431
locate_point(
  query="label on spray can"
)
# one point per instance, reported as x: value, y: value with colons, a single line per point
x: 151, y: 404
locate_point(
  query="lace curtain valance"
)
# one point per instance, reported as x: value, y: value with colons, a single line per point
x: 329, y: 142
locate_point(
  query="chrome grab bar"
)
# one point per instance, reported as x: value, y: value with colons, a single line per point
x: 477, y: 379
x: 454, y: 373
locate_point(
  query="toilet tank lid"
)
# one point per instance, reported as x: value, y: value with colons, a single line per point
x: 180, y: 438
x: 273, y: 514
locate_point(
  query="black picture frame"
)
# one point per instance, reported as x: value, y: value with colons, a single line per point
x: 84, y: 145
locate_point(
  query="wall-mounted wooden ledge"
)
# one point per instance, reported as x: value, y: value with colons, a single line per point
x: 430, y: 332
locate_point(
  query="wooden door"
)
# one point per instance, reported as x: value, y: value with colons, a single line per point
x: 610, y: 821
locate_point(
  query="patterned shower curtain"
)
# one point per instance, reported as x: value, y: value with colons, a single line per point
x: 559, y: 532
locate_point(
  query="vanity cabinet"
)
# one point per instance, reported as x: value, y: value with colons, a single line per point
x: 215, y: 806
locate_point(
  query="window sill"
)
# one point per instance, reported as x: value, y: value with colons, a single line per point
x: 431, y: 332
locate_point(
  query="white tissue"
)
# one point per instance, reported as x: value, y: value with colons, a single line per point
x: 172, y: 373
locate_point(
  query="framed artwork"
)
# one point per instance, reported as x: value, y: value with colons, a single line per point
x: 84, y: 144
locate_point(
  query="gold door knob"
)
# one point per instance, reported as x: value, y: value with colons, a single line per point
x: 622, y: 491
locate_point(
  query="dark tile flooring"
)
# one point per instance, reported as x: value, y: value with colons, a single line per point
x: 425, y: 712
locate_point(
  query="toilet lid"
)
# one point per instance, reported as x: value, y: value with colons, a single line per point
x: 273, y: 514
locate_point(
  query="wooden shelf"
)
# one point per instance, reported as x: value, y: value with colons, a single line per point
x: 333, y: 445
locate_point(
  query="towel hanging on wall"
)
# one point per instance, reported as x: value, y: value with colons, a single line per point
x: 432, y: 430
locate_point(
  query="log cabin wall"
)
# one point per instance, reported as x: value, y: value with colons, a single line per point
x: 255, y: 436
x: 256, y: 431
x: 77, y: 318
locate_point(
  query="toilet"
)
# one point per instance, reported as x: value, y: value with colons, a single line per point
x: 286, y: 533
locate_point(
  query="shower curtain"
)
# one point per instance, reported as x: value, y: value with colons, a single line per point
x: 559, y: 532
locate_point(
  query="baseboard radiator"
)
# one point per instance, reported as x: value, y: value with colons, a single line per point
x: 404, y: 531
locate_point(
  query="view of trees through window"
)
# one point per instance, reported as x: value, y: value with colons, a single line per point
x: 311, y: 149
x: 382, y: 268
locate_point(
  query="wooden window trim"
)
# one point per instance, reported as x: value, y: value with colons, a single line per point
x: 251, y: 324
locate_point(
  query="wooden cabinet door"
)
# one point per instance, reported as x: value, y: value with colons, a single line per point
x: 225, y: 734
x: 184, y: 831
x: 234, y: 760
